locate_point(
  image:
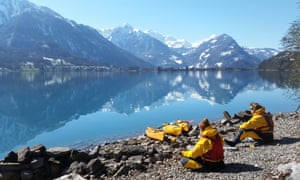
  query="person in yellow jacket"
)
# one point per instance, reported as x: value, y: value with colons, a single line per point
x: 208, y: 153
x: 259, y: 127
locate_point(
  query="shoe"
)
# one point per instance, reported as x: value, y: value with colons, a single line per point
x: 226, y: 115
x: 259, y: 143
x: 230, y: 143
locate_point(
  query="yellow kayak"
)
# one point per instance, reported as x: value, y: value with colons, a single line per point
x: 174, y: 129
x: 177, y: 128
x: 156, y: 134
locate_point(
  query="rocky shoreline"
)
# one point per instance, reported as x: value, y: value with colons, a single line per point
x: 144, y: 158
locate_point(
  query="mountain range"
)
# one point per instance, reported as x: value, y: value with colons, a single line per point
x: 33, y: 37
x: 218, y: 51
x: 43, y: 37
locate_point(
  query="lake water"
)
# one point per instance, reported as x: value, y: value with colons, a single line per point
x: 79, y: 109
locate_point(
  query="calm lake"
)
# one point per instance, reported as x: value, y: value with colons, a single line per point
x: 79, y: 109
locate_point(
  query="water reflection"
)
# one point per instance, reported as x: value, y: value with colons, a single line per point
x: 217, y: 87
x: 289, y: 80
x: 32, y: 103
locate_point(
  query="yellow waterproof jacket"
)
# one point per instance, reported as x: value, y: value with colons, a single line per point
x: 204, y: 145
x: 257, y: 122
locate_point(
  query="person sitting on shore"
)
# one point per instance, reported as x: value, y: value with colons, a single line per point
x: 208, y: 153
x: 259, y: 127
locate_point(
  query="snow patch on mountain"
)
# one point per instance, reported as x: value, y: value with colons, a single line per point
x: 176, y: 59
x: 12, y: 8
x: 262, y: 53
x: 170, y: 41
x: 204, y: 55
x: 199, y: 43
x: 226, y: 53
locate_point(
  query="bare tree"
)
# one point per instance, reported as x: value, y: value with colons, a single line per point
x: 291, y: 42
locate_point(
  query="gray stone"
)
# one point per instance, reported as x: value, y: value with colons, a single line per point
x: 136, y: 162
x: 95, y: 166
x: 94, y: 152
x: 59, y: 151
x: 54, y: 167
x: 26, y: 174
x: 11, y: 157
x: 77, y: 168
x: 24, y: 155
x: 138, y: 159
x: 122, y: 171
x: 72, y: 176
x: 38, y: 150
x: 194, y: 131
x: 111, y: 167
x: 37, y: 163
x: 80, y: 156
x: 12, y: 166
x: 133, y: 150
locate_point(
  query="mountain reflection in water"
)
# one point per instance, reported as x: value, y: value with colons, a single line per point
x: 35, y: 103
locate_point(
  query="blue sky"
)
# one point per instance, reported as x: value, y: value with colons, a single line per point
x: 252, y: 23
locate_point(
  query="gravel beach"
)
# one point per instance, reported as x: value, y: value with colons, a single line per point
x: 247, y: 162
x: 142, y: 158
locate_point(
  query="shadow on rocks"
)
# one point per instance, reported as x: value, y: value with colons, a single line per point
x: 239, y: 167
x: 282, y: 141
x: 286, y: 140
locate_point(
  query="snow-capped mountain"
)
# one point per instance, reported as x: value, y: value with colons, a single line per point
x: 262, y: 53
x: 41, y: 37
x: 143, y: 46
x: 220, y: 51
x: 11, y: 8
x: 182, y: 46
x: 217, y: 51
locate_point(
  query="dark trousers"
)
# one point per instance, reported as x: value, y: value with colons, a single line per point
x: 207, y: 166
x: 262, y: 137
